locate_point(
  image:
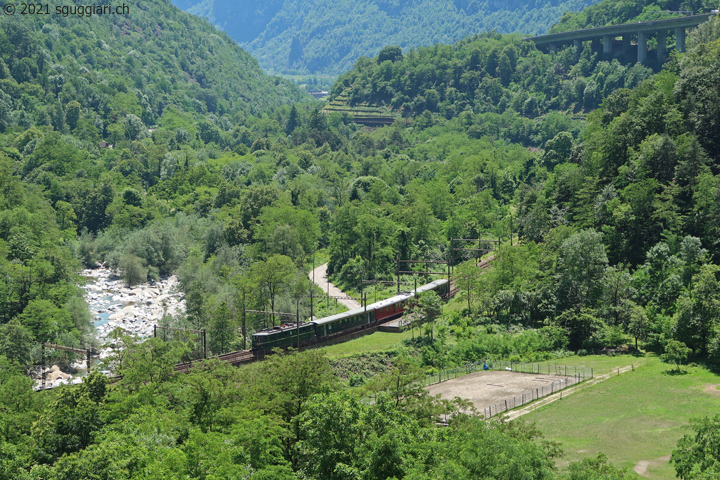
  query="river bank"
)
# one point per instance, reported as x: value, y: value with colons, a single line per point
x: 113, y: 305
x: 134, y: 310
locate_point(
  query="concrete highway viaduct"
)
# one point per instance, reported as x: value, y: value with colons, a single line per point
x: 627, y: 32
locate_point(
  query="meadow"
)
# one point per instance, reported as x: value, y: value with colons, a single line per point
x: 635, y: 419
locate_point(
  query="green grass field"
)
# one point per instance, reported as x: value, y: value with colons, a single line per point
x: 376, y: 342
x: 637, y: 416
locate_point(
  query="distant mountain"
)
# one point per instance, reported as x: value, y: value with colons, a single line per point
x: 328, y: 36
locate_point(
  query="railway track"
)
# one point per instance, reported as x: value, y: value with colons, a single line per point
x: 233, y: 358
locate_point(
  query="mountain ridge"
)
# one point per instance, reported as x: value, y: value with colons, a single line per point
x: 296, y: 37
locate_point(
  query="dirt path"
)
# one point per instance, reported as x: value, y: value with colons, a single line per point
x: 327, y: 287
x: 513, y: 414
x: 641, y: 467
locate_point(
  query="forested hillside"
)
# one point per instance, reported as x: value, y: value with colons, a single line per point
x: 496, y: 84
x: 72, y: 89
x: 298, y: 36
x: 153, y: 144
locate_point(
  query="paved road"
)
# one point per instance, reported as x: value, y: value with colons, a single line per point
x: 322, y: 282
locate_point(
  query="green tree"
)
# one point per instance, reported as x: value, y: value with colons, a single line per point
x: 16, y: 341
x: 288, y: 383
x: 274, y: 274
x: 72, y: 114
x: 133, y: 127
x: 292, y: 122
x: 698, y: 313
x: 96, y: 202
x: 404, y: 386
x: 348, y: 438
x: 427, y: 309
x: 222, y: 329
x: 597, y: 468
x: 581, y: 269
x: 18, y: 402
x: 697, y: 456
x: 581, y: 326
x: 675, y: 352
x: 57, y: 435
x: 148, y: 364
x: 132, y: 269
x: 479, y: 449
x: 639, y: 324
x: 391, y: 52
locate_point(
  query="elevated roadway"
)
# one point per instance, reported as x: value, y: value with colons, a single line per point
x: 628, y: 31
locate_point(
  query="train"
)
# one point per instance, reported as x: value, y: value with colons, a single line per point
x: 286, y: 335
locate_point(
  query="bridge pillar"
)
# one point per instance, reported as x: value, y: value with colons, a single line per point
x: 607, y: 44
x: 680, y: 39
x: 578, y: 47
x: 552, y: 47
x: 661, y: 45
x: 642, y: 47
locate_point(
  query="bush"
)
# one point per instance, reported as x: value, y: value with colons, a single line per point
x: 132, y: 269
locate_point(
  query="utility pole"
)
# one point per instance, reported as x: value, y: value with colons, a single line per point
x: 468, y: 295
x: 511, y: 229
x: 397, y: 269
x: 297, y: 320
x: 365, y: 305
x: 312, y: 309
x: 244, y: 331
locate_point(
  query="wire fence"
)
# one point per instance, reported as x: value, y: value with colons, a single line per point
x: 573, y: 376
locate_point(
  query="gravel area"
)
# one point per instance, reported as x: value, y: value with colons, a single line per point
x: 490, y: 387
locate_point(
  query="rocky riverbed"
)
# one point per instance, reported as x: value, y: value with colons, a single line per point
x: 134, y: 310
x: 113, y: 305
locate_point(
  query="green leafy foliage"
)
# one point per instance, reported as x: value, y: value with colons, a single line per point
x: 497, y: 85
x: 697, y: 454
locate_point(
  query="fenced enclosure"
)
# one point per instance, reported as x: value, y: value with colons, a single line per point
x: 519, y: 367
x: 513, y: 384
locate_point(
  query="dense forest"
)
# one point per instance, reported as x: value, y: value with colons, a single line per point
x: 153, y: 144
x: 302, y: 37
